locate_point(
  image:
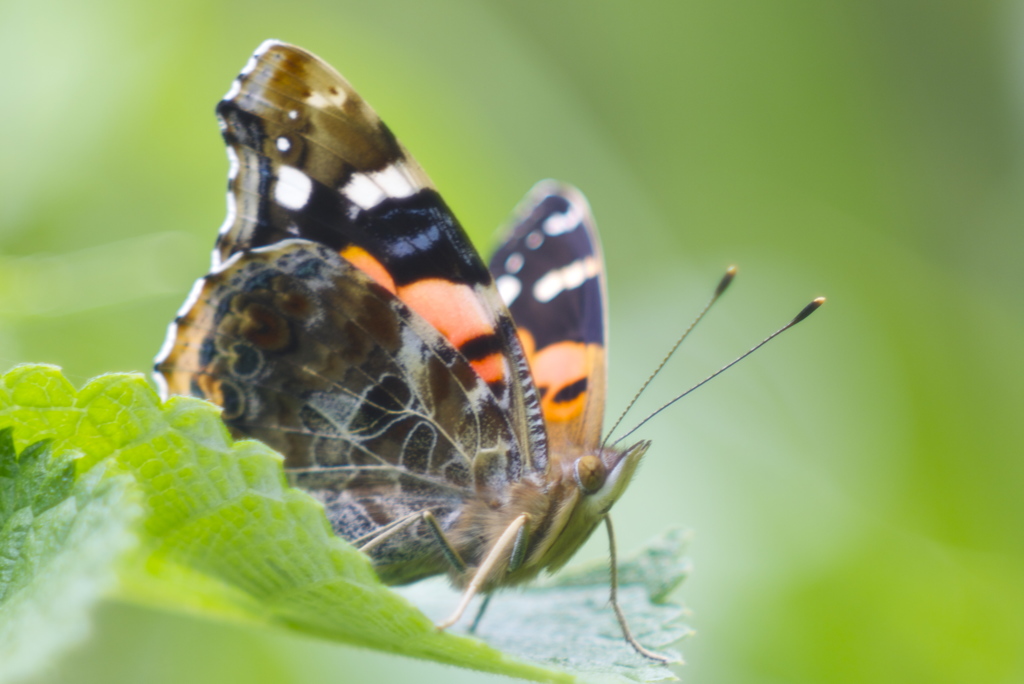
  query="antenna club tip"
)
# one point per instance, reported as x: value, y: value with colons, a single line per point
x: 730, y: 273
x: 808, y: 310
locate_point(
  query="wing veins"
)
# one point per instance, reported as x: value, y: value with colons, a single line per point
x: 456, y: 444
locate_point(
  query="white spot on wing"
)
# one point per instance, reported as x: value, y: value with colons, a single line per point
x: 514, y: 262
x: 396, y: 181
x: 556, y: 224
x: 283, y: 144
x: 232, y: 163
x: 367, y: 190
x: 362, y: 191
x: 509, y: 288
x: 293, y: 114
x: 558, y: 280
x: 534, y: 240
x: 323, y: 99
x: 293, y: 188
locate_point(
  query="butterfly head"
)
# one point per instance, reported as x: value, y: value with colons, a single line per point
x: 603, y: 476
x: 597, y: 480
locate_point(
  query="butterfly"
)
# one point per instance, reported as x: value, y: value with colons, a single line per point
x: 447, y: 414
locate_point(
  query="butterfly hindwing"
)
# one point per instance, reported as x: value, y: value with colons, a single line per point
x: 550, y: 272
x: 310, y: 159
x: 380, y: 418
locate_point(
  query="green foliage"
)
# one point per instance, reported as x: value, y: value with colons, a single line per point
x: 583, y: 637
x: 59, y: 540
x: 223, y: 535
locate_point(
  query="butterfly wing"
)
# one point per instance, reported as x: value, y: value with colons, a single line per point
x: 310, y: 159
x: 550, y: 273
x: 377, y: 415
x: 348, y: 321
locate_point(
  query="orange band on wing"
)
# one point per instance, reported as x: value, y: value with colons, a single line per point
x: 558, y: 367
x: 458, y: 313
x: 570, y: 377
x: 455, y: 310
x: 490, y: 368
x: 366, y: 263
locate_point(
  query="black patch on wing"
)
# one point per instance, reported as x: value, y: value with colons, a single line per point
x: 239, y: 126
x: 575, y: 314
x: 570, y: 392
x: 481, y: 347
x: 417, y: 237
x: 414, y: 237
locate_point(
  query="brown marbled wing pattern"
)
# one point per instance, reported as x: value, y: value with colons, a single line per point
x: 379, y: 417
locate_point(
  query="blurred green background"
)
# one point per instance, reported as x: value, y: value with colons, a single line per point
x: 856, y: 489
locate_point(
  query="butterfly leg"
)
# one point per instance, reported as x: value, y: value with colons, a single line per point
x: 626, y: 633
x: 513, y: 541
x: 516, y: 559
x: 480, y: 614
x: 450, y: 554
x: 367, y: 542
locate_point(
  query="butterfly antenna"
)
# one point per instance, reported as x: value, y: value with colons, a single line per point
x: 804, y: 313
x: 730, y: 273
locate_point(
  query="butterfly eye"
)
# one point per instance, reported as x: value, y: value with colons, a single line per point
x: 590, y: 473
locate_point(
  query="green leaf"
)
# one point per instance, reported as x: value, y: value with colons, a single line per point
x: 59, y: 540
x: 567, y: 622
x: 223, y: 535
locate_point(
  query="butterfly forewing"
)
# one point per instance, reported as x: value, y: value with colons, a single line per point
x: 310, y: 159
x: 300, y: 135
x: 550, y: 272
